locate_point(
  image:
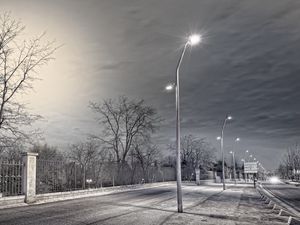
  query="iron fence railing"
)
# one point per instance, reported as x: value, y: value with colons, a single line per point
x: 10, y: 178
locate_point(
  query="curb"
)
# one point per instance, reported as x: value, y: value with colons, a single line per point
x: 278, y: 207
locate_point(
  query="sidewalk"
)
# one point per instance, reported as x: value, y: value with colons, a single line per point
x: 238, y: 204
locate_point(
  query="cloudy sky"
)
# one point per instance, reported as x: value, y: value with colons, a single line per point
x: 247, y: 65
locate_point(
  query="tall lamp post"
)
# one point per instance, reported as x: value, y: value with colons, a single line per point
x: 222, y: 149
x: 192, y: 40
x: 233, y: 162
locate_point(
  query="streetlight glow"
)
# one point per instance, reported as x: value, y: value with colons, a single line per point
x: 169, y: 87
x: 218, y: 138
x: 194, y: 39
x: 229, y: 117
x: 237, y: 139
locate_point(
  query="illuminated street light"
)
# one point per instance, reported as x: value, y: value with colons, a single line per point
x: 192, y: 40
x: 233, y: 161
x: 228, y: 117
x: 169, y: 87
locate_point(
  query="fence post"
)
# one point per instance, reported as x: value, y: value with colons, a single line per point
x: 29, y: 176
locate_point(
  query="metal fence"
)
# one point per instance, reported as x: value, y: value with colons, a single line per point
x: 10, y: 177
x: 56, y: 176
x: 59, y: 176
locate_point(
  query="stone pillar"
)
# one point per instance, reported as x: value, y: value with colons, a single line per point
x: 29, y: 176
x: 197, y: 172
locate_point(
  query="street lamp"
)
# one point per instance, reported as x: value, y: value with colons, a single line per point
x: 233, y: 161
x: 228, y: 117
x: 192, y: 40
x: 234, y: 170
x: 169, y: 87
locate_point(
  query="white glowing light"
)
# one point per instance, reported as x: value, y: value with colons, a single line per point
x: 169, y: 87
x: 195, y: 39
x: 218, y: 138
x: 229, y: 117
x: 237, y: 139
x: 274, y: 180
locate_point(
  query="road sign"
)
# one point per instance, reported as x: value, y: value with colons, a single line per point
x: 250, y: 167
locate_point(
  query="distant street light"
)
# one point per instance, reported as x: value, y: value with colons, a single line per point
x: 228, y: 117
x: 233, y: 161
x: 246, y: 156
x: 192, y: 40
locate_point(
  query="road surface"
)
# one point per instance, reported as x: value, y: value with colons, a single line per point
x: 288, y: 193
x: 202, y: 205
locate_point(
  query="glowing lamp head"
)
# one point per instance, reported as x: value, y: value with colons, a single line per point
x: 194, y: 39
x: 229, y: 117
x: 247, y: 151
x: 219, y: 138
x: 237, y: 139
x: 231, y: 152
x: 169, y: 87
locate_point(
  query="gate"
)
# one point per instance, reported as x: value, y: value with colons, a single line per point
x: 10, y: 178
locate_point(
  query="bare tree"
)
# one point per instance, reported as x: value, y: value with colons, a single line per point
x: 18, y: 63
x: 290, y: 166
x: 124, y: 121
x: 196, y: 153
x: 84, y: 153
x: 46, y: 152
x: 146, y: 154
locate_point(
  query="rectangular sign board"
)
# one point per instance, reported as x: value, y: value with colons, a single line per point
x: 250, y: 167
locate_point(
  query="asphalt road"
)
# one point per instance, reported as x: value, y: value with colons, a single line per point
x: 147, y: 206
x: 290, y: 194
x: 204, y: 204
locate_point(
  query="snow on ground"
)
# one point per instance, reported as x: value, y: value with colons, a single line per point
x: 239, y: 204
x: 208, y: 204
x: 155, y: 205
